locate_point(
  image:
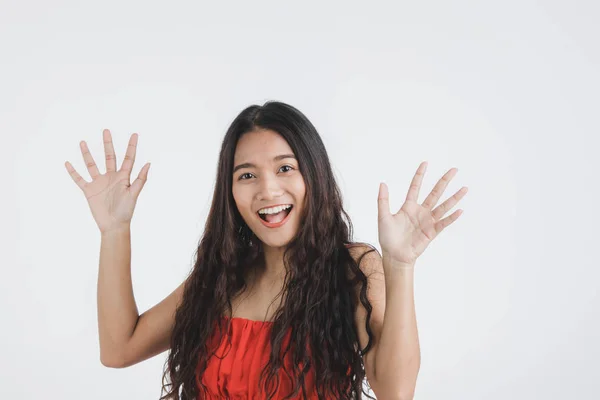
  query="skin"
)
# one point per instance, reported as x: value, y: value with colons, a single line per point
x: 269, y: 182
x: 127, y: 338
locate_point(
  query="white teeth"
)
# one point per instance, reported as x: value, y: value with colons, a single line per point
x: 274, y: 210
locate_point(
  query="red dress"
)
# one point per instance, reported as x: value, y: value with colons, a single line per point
x: 235, y: 375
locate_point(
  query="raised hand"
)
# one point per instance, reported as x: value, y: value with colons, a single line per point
x: 110, y: 196
x: 405, y: 235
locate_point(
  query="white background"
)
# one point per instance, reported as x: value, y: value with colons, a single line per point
x: 507, y: 297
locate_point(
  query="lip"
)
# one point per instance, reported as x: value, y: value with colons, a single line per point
x: 277, y: 224
x: 274, y: 205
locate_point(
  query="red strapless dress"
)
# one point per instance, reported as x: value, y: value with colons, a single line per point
x: 235, y: 374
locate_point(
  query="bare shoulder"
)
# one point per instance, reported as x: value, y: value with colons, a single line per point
x: 370, y: 263
x: 367, y: 257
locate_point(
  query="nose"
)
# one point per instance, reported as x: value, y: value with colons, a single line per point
x: 269, y: 189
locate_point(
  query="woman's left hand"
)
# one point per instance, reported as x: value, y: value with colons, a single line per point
x: 405, y: 235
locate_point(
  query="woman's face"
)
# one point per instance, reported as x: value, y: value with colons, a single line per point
x: 266, y: 175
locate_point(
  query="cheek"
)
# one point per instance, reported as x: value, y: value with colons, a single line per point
x: 300, y: 190
x: 241, y: 199
x: 236, y: 195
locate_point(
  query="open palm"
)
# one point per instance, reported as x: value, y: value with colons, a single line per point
x: 111, y: 197
x: 404, y: 236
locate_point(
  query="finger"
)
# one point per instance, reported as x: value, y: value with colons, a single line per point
x: 76, y: 177
x: 444, y: 223
x: 439, y: 188
x: 109, y: 151
x: 138, y: 184
x: 383, y: 201
x: 89, y: 160
x: 415, y: 185
x: 130, y: 154
x: 447, y: 205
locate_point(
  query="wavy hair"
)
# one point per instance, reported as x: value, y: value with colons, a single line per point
x: 318, y: 303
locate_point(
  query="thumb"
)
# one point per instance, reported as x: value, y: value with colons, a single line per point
x: 383, y: 204
x: 138, y: 184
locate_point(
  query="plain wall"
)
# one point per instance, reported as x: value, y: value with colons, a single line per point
x: 507, y: 92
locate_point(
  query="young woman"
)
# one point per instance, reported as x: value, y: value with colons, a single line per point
x: 280, y: 303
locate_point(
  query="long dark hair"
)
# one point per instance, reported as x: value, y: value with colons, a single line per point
x: 319, y: 302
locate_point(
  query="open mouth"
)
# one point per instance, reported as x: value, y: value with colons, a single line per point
x: 275, y: 220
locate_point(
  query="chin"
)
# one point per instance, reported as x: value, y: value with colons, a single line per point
x: 276, y: 242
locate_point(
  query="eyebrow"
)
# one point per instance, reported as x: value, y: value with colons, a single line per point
x: 276, y: 158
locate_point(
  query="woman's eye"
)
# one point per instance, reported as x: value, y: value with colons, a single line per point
x: 241, y: 178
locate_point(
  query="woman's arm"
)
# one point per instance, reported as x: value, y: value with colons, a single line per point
x: 126, y: 337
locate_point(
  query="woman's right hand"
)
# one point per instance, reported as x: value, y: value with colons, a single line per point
x: 110, y: 196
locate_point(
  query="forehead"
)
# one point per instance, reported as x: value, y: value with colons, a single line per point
x: 260, y: 146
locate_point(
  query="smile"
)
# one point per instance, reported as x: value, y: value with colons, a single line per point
x: 277, y: 224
